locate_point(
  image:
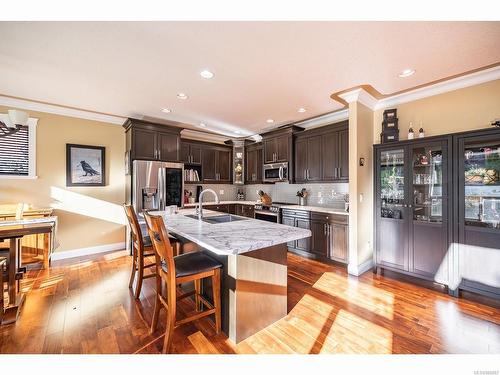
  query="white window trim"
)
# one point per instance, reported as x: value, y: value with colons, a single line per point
x: 32, y: 123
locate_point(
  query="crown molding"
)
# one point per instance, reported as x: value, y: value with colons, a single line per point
x: 324, y: 119
x: 361, y: 96
x: 60, y: 110
x: 468, y: 80
x: 476, y: 78
x: 203, y: 136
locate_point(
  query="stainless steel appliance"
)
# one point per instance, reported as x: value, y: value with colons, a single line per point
x: 276, y: 172
x: 271, y: 213
x: 156, y: 185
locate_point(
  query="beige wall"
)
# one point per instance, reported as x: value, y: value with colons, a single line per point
x: 360, y: 185
x: 88, y: 216
x: 460, y: 110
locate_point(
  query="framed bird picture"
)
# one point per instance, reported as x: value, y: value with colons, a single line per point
x: 85, y: 165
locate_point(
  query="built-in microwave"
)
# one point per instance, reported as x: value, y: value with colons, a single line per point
x: 276, y: 172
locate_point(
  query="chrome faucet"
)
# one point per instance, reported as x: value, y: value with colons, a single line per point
x: 200, y: 204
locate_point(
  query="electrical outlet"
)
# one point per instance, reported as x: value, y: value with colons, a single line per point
x: 320, y: 194
x: 221, y: 192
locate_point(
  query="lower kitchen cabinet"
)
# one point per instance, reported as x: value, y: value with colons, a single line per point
x: 245, y: 210
x: 330, y: 232
x: 330, y: 236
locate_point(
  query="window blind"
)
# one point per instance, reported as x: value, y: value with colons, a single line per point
x: 14, y: 151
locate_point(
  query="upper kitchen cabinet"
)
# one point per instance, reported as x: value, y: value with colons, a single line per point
x: 278, y: 144
x: 191, y: 152
x: 216, y: 164
x: 322, y: 154
x: 254, y: 164
x: 149, y: 141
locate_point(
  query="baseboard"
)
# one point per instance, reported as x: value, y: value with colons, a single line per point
x: 358, y: 270
x: 87, y: 251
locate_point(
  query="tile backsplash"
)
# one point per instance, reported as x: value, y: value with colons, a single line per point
x: 226, y: 192
x: 322, y: 194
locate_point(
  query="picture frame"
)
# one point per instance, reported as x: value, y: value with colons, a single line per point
x: 85, y: 165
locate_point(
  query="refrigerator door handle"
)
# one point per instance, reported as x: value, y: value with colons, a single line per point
x: 161, y: 189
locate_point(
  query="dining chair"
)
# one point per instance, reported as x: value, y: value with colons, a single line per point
x: 141, y: 250
x: 172, y: 271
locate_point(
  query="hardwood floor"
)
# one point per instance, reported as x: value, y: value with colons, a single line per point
x: 85, y: 306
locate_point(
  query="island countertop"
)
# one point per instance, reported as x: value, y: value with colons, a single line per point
x: 236, y: 237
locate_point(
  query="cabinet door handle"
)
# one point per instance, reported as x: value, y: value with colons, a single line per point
x: 308, y: 177
x: 339, y: 172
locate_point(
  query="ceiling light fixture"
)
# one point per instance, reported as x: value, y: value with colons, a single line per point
x: 182, y: 96
x: 166, y: 110
x: 237, y: 132
x: 301, y: 110
x: 207, y: 74
x: 202, y: 125
x: 406, y: 73
x: 269, y: 120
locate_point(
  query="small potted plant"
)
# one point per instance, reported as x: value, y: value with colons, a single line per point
x: 302, y: 194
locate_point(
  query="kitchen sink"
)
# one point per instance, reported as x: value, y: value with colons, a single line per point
x: 218, y: 219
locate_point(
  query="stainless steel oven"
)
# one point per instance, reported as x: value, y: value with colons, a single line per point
x: 267, y: 213
x: 276, y: 172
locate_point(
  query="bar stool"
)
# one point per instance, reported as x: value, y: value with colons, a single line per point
x: 141, y: 250
x: 174, y: 270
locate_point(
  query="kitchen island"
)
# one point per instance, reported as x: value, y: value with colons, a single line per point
x: 253, y: 254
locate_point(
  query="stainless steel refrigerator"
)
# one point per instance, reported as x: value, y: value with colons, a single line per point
x: 156, y: 185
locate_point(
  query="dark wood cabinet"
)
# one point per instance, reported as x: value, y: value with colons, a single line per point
x: 329, y: 234
x: 411, y: 207
x: 216, y: 164
x: 343, y: 155
x: 144, y: 144
x: 319, y: 237
x: 254, y: 165
x: 322, y: 154
x: 168, y: 147
x: 224, y: 165
x: 278, y: 146
x: 303, y: 244
x: 151, y: 141
x: 208, y: 164
x: 245, y: 210
x: 191, y: 152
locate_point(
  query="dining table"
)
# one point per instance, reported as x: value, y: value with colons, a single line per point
x: 14, y: 231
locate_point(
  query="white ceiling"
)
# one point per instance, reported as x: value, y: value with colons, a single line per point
x: 262, y: 69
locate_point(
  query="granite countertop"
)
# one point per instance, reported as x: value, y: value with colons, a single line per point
x: 328, y: 210
x: 250, y: 203
x: 237, y: 237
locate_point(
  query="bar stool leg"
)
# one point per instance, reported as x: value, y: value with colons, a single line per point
x: 140, y: 275
x: 134, y: 268
x: 217, y: 304
x: 156, y: 313
x: 197, y: 289
x: 171, y: 314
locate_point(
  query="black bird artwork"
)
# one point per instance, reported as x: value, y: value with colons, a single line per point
x: 88, y: 169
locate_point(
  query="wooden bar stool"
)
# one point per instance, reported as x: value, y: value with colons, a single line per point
x: 141, y: 250
x: 174, y: 270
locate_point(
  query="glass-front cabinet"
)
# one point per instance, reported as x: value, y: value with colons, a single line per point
x: 481, y: 168
x: 411, y: 209
x: 478, y: 226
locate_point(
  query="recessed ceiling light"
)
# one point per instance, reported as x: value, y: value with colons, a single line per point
x: 182, y: 96
x: 269, y: 120
x: 406, y: 73
x: 166, y: 110
x: 202, y: 125
x: 237, y: 132
x: 301, y: 110
x: 206, y: 74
